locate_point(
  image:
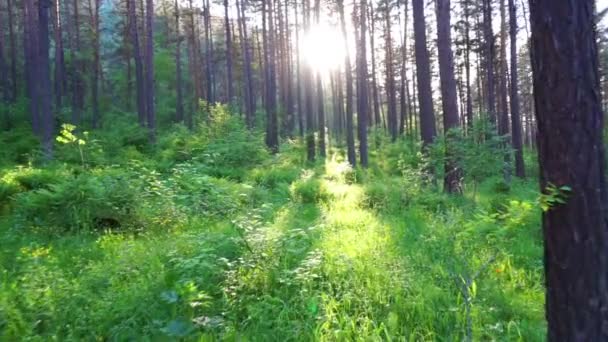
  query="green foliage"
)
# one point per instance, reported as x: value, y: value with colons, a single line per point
x: 205, y: 236
x: 84, y: 202
x: 310, y: 189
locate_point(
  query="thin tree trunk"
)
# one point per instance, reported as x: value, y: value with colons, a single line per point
x: 229, y: 89
x: 59, y: 55
x: 515, y: 115
x: 43, y: 78
x: 150, y: 112
x: 350, y: 137
x: 13, y: 51
x: 139, y: 71
x: 179, y: 110
x: 390, y: 79
x: 489, y: 60
x: 362, y: 80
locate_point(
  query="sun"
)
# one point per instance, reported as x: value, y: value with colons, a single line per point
x: 323, y: 48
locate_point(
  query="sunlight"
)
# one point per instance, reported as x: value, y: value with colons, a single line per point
x: 323, y: 48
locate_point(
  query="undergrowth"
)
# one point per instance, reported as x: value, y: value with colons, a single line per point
x: 209, y: 237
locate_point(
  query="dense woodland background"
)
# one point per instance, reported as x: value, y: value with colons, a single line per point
x: 297, y: 170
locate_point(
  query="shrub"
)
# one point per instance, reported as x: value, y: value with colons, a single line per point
x: 84, y: 202
x: 271, y: 177
x: 310, y: 190
x: 33, y: 179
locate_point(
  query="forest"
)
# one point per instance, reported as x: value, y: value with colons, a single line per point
x: 303, y: 170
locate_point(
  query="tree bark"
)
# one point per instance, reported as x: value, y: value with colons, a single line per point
x: 362, y: 80
x: 139, y: 71
x: 179, y: 110
x: 516, y: 135
x: 391, y: 98
x: 489, y: 60
x: 150, y: 112
x: 350, y: 137
x: 571, y: 153
x: 423, y: 74
x: 449, y: 100
x: 44, y: 78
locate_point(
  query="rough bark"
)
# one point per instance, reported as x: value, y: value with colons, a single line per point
x: 423, y: 75
x: 516, y: 135
x: 571, y: 153
x: 449, y: 100
x: 43, y: 78
x: 139, y: 70
x: 391, y: 95
x: 350, y: 137
x: 179, y: 107
x: 149, y: 80
x: 362, y: 81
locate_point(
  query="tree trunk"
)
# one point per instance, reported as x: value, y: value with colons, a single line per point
x: 229, y: 89
x: 179, y: 110
x: 350, y: 137
x: 13, y: 51
x: 362, y: 80
x: 467, y: 65
x: 489, y: 60
x: 150, y: 113
x: 139, y: 71
x: 377, y: 108
x: 571, y: 153
x: 516, y: 136
x: 503, y: 109
x: 32, y: 65
x: 423, y: 74
x: 390, y: 79
x: 44, y: 78
x: 449, y: 100
x: 59, y: 55
x: 272, y: 138
x: 94, y: 13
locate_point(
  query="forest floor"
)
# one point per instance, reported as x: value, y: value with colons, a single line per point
x: 288, y: 252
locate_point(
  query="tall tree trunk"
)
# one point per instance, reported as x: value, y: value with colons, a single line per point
x: 449, y: 98
x: 229, y: 89
x: 571, y: 153
x: 4, y: 79
x: 308, y: 92
x: 503, y: 109
x: 94, y: 14
x: 179, y: 110
x: 467, y: 65
x: 489, y: 60
x: 390, y: 79
x: 320, y: 94
x: 272, y: 132
x: 13, y: 51
x: 32, y: 64
x: 43, y: 78
x: 403, y: 96
x: 59, y: 55
x: 150, y: 112
x: 516, y: 138
x: 377, y: 108
x: 247, y: 70
x: 423, y: 74
x: 139, y: 70
x: 299, y: 76
x: 362, y: 80
x: 350, y: 137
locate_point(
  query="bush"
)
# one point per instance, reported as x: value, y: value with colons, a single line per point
x: 386, y: 195
x: 271, y: 177
x: 310, y: 190
x: 83, y: 203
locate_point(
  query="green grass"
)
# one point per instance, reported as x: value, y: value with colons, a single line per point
x: 264, y: 249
